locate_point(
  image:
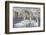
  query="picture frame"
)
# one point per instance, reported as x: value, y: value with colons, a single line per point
x: 28, y: 11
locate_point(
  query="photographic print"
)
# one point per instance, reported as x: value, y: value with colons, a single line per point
x: 24, y: 17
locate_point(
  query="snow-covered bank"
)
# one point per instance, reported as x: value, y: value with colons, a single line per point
x: 26, y: 23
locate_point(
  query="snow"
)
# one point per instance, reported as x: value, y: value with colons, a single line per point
x: 25, y: 23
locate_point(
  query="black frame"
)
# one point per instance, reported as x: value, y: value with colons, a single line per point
x: 7, y: 16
